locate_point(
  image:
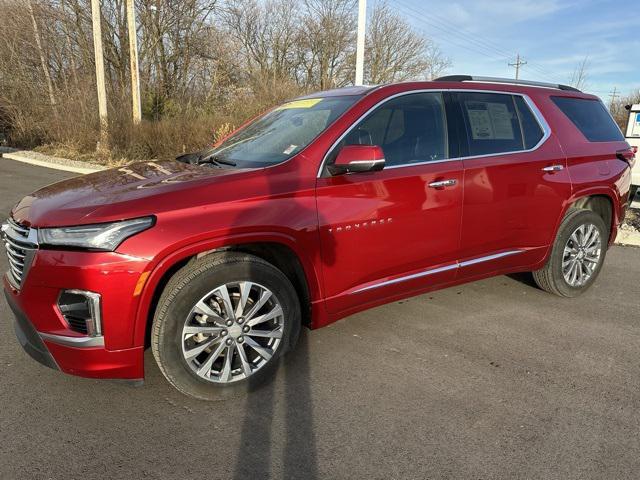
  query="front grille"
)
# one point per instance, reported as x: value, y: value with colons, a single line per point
x: 21, y: 244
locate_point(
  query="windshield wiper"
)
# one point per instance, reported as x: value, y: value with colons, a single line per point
x: 216, y: 160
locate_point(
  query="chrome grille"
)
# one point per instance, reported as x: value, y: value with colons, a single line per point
x: 21, y: 243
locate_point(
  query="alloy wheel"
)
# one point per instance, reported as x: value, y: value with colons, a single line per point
x: 581, y: 255
x: 232, y: 332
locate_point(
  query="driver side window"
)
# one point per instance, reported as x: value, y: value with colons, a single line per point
x: 410, y: 129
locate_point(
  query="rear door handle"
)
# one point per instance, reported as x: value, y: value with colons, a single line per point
x: 553, y: 168
x: 443, y: 183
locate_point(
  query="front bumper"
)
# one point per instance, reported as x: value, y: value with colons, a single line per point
x: 45, y: 334
x: 29, y: 338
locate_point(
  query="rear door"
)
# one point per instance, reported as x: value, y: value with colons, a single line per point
x: 516, y: 182
x: 393, y: 231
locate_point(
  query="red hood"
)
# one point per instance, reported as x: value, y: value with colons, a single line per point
x: 126, y: 192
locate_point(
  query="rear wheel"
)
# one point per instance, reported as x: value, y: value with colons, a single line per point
x: 222, y: 323
x: 577, y: 255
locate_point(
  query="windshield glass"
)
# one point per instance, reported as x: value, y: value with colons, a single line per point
x: 281, y: 133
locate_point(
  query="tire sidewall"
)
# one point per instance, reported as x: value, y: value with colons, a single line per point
x: 192, y: 285
x: 569, y: 225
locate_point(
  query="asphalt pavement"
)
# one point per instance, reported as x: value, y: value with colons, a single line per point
x: 491, y: 380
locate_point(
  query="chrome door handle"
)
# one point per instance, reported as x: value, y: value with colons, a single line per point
x: 553, y: 168
x: 443, y: 183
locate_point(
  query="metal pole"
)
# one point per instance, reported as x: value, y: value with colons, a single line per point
x: 133, y: 56
x: 362, y: 21
x: 100, y: 81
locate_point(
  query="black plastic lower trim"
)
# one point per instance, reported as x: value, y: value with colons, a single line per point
x: 29, y: 338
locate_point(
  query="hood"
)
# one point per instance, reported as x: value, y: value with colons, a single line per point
x: 115, y: 194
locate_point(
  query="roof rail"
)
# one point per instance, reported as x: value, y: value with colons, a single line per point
x: 469, y: 78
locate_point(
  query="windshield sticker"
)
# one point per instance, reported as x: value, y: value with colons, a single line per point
x: 290, y: 149
x: 308, y: 103
x: 490, y: 121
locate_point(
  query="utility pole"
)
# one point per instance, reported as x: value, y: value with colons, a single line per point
x: 362, y: 22
x: 518, y: 64
x: 103, y: 144
x: 133, y: 57
x: 613, y: 95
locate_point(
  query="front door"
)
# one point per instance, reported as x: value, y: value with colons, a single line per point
x: 394, y: 231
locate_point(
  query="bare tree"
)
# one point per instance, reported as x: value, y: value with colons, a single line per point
x: 205, y: 65
x: 580, y: 74
x: 395, y: 52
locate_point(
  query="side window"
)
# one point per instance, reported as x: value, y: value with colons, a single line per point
x: 591, y: 118
x: 410, y: 129
x: 531, y: 129
x: 491, y: 122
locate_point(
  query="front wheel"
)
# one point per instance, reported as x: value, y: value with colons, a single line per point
x: 577, y: 255
x: 222, y: 323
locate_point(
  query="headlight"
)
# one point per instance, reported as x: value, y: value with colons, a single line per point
x: 102, y: 236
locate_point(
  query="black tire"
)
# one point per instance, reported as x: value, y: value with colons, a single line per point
x: 633, y: 192
x: 550, y: 277
x: 186, y: 288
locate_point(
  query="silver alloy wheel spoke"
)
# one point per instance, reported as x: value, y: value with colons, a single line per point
x: 220, y: 341
x: 264, y: 297
x: 265, y: 333
x: 204, y: 309
x: 195, y: 329
x: 276, y: 312
x: 228, y: 306
x: 246, y: 366
x: 193, y: 353
x: 225, y: 376
x: 245, y: 290
x: 582, y: 254
x: 205, y: 368
x: 262, y: 351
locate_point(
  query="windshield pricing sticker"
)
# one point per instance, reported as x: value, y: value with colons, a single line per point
x: 308, y: 103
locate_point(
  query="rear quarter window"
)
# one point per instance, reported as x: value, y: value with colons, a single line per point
x: 591, y: 117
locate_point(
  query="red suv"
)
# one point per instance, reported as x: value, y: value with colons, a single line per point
x: 327, y: 205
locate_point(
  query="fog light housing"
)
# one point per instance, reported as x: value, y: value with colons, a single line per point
x: 81, y: 310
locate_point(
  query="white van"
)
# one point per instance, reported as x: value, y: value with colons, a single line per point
x: 633, y: 138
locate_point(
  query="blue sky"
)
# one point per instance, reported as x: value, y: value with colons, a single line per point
x: 553, y: 36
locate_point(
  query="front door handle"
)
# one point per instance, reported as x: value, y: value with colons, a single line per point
x: 443, y: 183
x: 553, y: 168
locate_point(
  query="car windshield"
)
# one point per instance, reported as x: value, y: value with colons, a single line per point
x: 280, y: 133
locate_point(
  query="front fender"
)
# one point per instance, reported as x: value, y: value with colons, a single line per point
x: 159, y: 268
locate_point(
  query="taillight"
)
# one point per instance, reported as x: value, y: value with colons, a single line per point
x: 628, y: 155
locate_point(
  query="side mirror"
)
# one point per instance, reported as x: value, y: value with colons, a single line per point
x: 357, y: 159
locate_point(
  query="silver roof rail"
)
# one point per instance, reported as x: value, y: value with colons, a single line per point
x: 469, y: 78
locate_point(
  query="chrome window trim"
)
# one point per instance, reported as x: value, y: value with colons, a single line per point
x: 432, y: 271
x: 542, y: 122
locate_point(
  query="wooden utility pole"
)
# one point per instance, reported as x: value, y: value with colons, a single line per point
x: 103, y: 144
x: 518, y: 64
x: 613, y: 96
x: 362, y: 20
x: 133, y: 57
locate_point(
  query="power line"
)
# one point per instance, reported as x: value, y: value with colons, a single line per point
x: 480, y: 45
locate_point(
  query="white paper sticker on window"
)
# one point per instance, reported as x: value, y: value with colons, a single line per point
x: 290, y: 149
x: 490, y: 121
